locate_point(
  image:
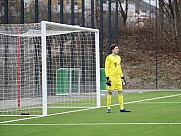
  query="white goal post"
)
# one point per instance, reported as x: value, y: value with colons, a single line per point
x: 45, y: 66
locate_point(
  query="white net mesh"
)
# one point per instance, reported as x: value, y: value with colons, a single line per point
x: 71, y: 68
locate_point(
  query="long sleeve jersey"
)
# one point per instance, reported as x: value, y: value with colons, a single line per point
x: 113, y: 66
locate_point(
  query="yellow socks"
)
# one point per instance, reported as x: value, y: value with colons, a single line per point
x: 120, y: 99
x: 109, y: 101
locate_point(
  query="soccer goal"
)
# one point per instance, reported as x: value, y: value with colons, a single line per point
x: 45, y: 66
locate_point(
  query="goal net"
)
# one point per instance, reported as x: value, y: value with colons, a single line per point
x: 46, y: 66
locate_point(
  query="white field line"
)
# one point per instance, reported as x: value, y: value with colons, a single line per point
x: 154, y: 98
x: 91, y: 124
x: 161, y: 102
x: 9, y: 121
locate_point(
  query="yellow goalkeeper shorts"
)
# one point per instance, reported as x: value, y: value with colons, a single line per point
x: 116, y: 83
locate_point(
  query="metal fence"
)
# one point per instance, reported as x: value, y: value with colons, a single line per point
x: 148, y: 33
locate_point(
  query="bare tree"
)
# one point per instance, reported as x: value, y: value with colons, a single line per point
x: 161, y: 11
x: 171, y: 9
x: 1, y: 12
x: 177, y: 17
x: 124, y: 13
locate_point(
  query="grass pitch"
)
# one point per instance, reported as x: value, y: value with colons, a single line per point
x: 156, y: 113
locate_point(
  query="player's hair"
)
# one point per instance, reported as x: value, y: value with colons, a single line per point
x: 113, y: 46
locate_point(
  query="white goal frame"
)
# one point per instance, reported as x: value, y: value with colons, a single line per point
x: 44, y: 63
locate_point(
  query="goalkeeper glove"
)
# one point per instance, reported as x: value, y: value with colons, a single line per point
x: 123, y: 81
x: 108, y: 82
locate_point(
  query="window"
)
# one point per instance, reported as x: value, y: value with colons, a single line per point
x: 104, y: 1
x: 58, y: 2
x: 12, y: 3
x: 137, y: 11
x: 75, y: 3
x: 67, y: 2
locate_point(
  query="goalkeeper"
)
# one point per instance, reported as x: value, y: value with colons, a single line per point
x: 114, y: 77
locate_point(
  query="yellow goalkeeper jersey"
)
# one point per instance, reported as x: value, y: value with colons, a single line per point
x: 113, y: 66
